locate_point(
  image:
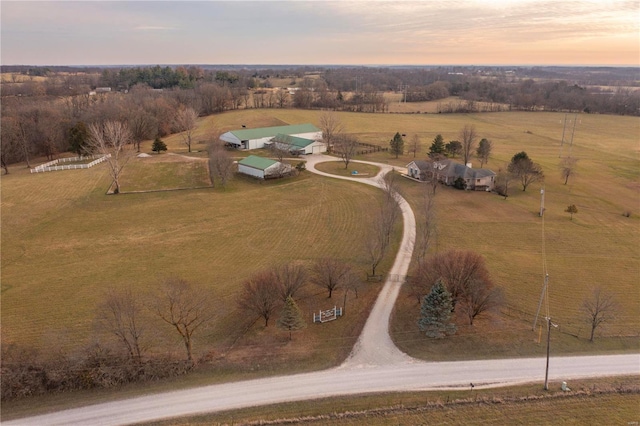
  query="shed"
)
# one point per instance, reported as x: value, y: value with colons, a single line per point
x: 298, y: 145
x: 256, y: 138
x: 262, y: 168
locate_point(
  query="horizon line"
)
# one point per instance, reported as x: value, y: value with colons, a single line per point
x: 327, y: 65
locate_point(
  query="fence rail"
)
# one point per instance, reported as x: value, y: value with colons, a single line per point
x: 49, y: 166
x: 328, y: 315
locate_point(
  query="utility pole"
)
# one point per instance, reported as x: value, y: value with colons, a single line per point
x: 403, y: 92
x: 564, y: 126
x: 541, y: 202
x: 546, y: 373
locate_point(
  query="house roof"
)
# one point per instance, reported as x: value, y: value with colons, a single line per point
x: 265, y: 132
x: 452, y: 169
x: 256, y: 162
x: 293, y: 140
x: 422, y: 165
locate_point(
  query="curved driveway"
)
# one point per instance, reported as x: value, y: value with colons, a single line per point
x: 375, y: 365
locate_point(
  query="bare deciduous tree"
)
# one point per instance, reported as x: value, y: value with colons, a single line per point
x: 330, y: 273
x: 352, y: 283
x: 120, y: 314
x: 524, y: 169
x: 382, y: 226
x: 282, y: 98
x: 185, y: 308
x: 185, y: 122
x: 481, y: 296
x: 427, y: 229
x: 142, y: 125
x: 568, y: 168
x: 503, y: 181
x: 221, y: 165
x: 598, y: 308
x: 291, y: 279
x: 345, y: 146
x: 9, y: 146
x: 111, y: 137
x: 23, y: 131
x: 331, y: 127
x: 259, y: 296
x: 461, y: 270
x: 468, y: 138
x: 414, y: 146
x: 281, y: 147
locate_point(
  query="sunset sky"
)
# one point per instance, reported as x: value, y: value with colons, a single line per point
x: 473, y: 32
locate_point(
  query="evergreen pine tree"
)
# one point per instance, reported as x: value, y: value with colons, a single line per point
x: 435, y: 312
x: 437, y: 147
x: 291, y: 317
x: 397, y: 144
x: 158, y: 145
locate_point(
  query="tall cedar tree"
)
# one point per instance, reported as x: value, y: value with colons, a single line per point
x: 435, y: 313
x: 484, y: 151
x: 291, y: 317
x: 437, y: 147
x: 397, y: 144
x: 78, y: 136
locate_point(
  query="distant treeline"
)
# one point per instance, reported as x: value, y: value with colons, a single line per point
x: 38, y: 114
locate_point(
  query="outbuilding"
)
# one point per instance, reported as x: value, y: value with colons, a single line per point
x: 256, y: 138
x: 298, y: 146
x: 262, y: 168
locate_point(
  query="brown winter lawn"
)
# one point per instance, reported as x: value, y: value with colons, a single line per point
x: 64, y: 241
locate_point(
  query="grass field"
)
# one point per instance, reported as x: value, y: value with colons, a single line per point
x: 64, y: 241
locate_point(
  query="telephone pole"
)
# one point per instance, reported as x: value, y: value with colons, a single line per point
x: 546, y: 373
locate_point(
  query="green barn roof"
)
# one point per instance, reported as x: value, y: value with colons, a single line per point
x: 293, y: 140
x: 256, y: 162
x: 265, y: 132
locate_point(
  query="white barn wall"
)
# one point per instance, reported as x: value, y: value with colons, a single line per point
x: 251, y: 171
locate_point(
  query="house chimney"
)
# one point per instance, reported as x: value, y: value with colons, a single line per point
x: 469, y: 165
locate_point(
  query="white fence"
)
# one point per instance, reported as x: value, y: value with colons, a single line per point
x: 50, y: 167
x: 328, y: 315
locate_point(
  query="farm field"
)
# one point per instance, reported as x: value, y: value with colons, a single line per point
x: 64, y: 241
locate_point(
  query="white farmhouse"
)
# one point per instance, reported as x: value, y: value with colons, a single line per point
x: 256, y: 138
x: 262, y: 168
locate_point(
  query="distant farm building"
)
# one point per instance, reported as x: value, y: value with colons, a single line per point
x: 257, y: 138
x: 448, y: 171
x: 263, y: 168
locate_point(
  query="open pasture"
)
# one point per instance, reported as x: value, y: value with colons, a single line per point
x: 64, y: 241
